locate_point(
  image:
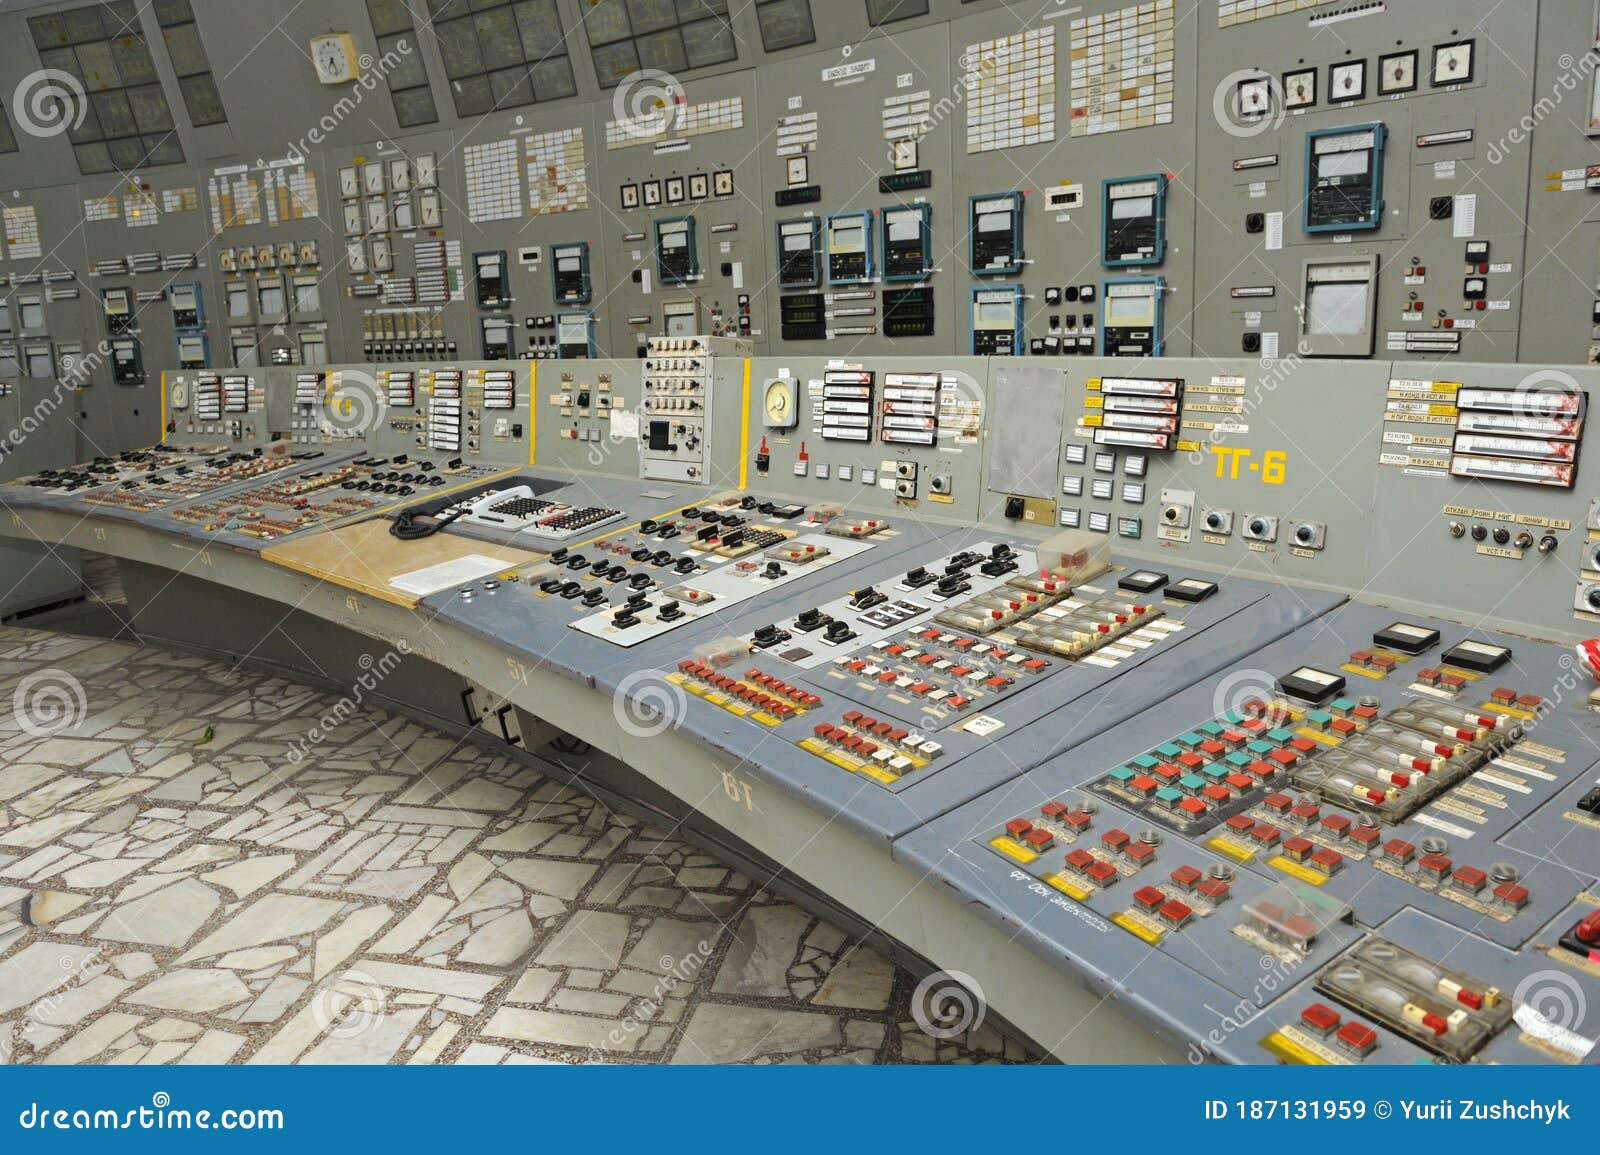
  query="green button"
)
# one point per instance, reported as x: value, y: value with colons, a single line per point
x: 1238, y: 758
x: 1168, y: 796
x: 1319, y: 719
x: 1190, y: 739
x: 1233, y: 717
x: 1122, y: 774
x: 1215, y: 772
x: 1280, y: 736
x: 1193, y: 783
x: 1342, y: 706
x: 1147, y: 761
x: 1169, y: 750
x: 1212, y: 728
x: 1260, y: 747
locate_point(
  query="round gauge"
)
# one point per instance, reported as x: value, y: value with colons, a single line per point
x: 1452, y: 63
x: 1300, y: 88
x: 1255, y: 96
x: 1397, y: 73
x: 1347, y: 81
x: 779, y: 404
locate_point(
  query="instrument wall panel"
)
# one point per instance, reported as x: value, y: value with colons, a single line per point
x: 1562, y: 278
x: 1252, y: 178
x: 730, y: 230
x: 829, y: 115
x: 1063, y: 246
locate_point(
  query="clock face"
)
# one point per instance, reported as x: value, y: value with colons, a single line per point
x: 779, y: 404
x: 334, y: 58
x: 1452, y: 63
x: 1300, y: 88
x: 1347, y: 81
x: 1255, y: 96
x: 1397, y: 73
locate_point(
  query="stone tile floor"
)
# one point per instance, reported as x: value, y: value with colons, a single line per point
x: 174, y: 887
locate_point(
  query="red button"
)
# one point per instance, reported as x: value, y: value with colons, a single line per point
x: 1320, y: 1018
x: 1589, y: 929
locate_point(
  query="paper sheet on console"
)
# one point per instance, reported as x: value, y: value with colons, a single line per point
x: 434, y: 578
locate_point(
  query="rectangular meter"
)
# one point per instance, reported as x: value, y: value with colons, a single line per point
x: 127, y: 362
x: 194, y: 351
x: 1344, y: 178
x: 569, y: 273
x: 118, y: 307
x: 575, y: 334
x: 1337, y: 309
x: 997, y: 321
x: 1133, y: 213
x: 1130, y: 317
x: 498, y: 337
x: 906, y: 242
x: 847, y: 242
x: 490, y: 277
x: 185, y: 300
x: 995, y: 228
x: 677, y: 261
x: 799, y: 253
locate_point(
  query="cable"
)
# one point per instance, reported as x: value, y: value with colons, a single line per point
x: 406, y: 527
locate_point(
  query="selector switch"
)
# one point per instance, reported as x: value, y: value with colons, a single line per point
x: 1260, y: 527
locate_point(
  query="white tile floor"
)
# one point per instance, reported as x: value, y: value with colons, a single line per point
x: 174, y: 888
